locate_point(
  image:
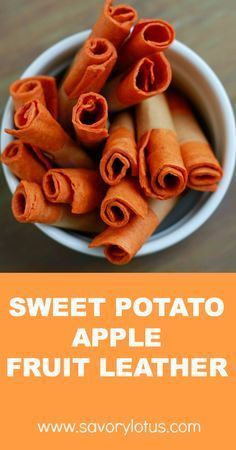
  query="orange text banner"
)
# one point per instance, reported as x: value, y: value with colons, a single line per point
x: 127, y: 361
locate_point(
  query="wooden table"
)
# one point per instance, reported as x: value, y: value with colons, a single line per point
x: 28, y: 28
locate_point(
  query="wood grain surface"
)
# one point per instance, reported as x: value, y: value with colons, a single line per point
x: 29, y: 27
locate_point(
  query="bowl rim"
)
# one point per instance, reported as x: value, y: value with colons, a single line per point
x: 192, y: 220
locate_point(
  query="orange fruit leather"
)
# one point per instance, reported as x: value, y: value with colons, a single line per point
x: 36, y: 126
x: 114, y: 23
x: 26, y: 162
x: 29, y: 205
x: 122, y: 202
x: 148, y: 36
x: 83, y: 189
x: 204, y: 170
x: 41, y: 87
x: 148, y: 77
x: 119, y: 156
x: 89, y: 118
x: 91, y: 67
x: 121, y: 244
x: 162, y: 173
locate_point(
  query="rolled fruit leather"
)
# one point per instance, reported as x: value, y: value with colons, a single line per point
x: 204, y: 170
x: 83, y: 189
x: 90, y: 120
x: 150, y: 76
x: 41, y: 87
x: 120, y: 157
x: 26, y: 162
x: 114, y: 23
x: 162, y: 173
x: 122, y: 202
x: 122, y: 244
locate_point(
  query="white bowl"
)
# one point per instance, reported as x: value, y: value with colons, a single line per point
x: 203, y: 87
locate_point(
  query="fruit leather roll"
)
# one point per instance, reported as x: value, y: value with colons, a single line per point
x: 148, y: 77
x: 122, y: 202
x: 119, y: 156
x: 89, y: 118
x: 162, y: 173
x: 204, y: 171
x: 115, y: 23
x: 83, y: 189
x: 122, y: 244
x: 25, y: 161
x: 36, y: 126
x: 148, y: 36
x: 88, y: 73
x: 42, y: 88
x: 29, y: 205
